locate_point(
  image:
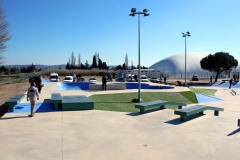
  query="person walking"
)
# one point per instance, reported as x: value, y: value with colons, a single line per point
x: 32, y: 95
x: 104, y: 82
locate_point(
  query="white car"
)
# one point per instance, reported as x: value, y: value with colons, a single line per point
x: 68, y: 79
x: 144, y: 78
x: 93, y: 80
x: 54, y: 77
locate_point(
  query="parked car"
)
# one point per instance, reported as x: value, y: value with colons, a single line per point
x: 54, y: 77
x: 130, y: 78
x: 144, y: 78
x: 120, y: 79
x: 68, y: 79
x: 194, y: 78
x: 93, y: 80
x: 154, y: 80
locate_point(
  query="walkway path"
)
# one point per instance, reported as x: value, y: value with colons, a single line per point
x: 105, y: 135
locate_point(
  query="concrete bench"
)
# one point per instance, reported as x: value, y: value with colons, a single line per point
x: 224, y: 80
x: 159, y: 103
x: 196, y: 109
x: 56, y: 100
x: 11, y: 102
x: 73, y: 103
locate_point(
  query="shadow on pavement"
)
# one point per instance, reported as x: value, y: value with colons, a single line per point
x: 14, y: 117
x: 145, y: 112
x: 177, y: 121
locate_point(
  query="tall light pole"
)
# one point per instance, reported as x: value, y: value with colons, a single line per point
x: 144, y: 12
x: 185, y: 35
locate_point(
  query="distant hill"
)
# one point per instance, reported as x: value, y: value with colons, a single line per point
x: 38, y: 66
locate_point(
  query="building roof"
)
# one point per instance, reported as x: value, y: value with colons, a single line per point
x: 176, y: 63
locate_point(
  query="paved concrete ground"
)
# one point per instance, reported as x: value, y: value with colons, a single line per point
x: 103, y: 135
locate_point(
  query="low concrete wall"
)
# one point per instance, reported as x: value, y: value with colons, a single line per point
x: 110, y: 86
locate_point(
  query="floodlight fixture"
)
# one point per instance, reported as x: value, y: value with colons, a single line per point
x: 133, y: 10
x: 145, y: 10
x: 145, y: 14
x: 132, y: 14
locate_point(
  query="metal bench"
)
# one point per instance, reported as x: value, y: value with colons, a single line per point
x: 56, y: 100
x: 196, y: 109
x: 155, y: 104
x: 11, y: 102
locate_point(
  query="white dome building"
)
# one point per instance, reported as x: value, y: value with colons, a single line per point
x: 175, y: 65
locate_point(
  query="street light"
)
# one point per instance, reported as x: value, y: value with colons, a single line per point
x: 185, y: 35
x: 133, y: 13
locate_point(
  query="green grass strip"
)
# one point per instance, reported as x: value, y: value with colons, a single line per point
x: 121, y: 102
x: 203, y: 91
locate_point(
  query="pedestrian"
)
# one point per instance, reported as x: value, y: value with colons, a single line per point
x: 135, y: 78
x: 74, y: 77
x: 210, y: 79
x: 234, y: 77
x: 33, y: 96
x: 165, y: 80
x: 104, y: 82
x: 230, y: 83
x: 38, y: 82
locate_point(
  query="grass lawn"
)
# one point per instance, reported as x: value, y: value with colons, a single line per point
x: 121, y: 102
x: 203, y: 91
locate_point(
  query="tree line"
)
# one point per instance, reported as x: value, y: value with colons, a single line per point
x: 97, y: 63
x: 15, y: 70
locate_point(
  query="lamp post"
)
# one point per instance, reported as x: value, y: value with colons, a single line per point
x: 185, y: 35
x: 133, y: 13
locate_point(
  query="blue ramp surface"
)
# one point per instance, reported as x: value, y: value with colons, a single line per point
x: 224, y: 84
x: 206, y: 98
x: 40, y: 107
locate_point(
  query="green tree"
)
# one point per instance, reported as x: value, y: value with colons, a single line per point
x: 68, y: 66
x: 219, y: 62
x: 100, y: 63
x: 104, y: 65
x: 94, y: 62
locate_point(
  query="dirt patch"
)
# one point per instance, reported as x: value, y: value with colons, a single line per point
x: 8, y: 90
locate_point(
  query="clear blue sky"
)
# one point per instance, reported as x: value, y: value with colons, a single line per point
x: 48, y: 31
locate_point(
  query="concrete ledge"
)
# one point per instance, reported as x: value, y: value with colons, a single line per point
x: 111, y: 86
x: 74, y: 103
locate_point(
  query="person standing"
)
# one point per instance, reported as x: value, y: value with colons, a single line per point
x: 104, y: 82
x: 38, y: 82
x: 33, y: 96
x: 230, y: 83
x: 210, y: 79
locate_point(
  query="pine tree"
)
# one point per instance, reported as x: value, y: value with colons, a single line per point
x: 94, y: 62
x: 79, y: 60
x: 126, y: 61
x: 100, y: 63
